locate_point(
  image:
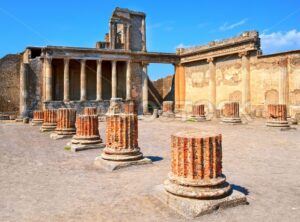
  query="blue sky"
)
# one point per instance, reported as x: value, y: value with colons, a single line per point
x: 170, y: 23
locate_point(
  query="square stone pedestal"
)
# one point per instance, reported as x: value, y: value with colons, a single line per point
x: 56, y: 136
x: 81, y: 147
x: 192, y: 208
x: 116, y: 165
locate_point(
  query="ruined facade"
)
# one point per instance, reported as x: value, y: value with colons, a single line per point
x: 231, y: 70
x: 75, y: 77
x: 235, y: 70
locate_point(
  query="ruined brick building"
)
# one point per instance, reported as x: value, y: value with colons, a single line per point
x: 230, y: 70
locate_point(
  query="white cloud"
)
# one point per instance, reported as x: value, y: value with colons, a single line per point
x: 280, y: 41
x: 181, y: 45
x: 227, y: 26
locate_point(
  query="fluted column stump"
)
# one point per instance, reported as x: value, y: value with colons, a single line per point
x: 198, y: 113
x: 38, y: 118
x: 130, y: 107
x: 87, y: 134
x: 277, y: 116
x: 50, y: 120
x: 90, y: 111
x: 168, y: 109
x: 195, y: 184
x: 231, y: 113
x: 122, y: 148
x: 65, y: 128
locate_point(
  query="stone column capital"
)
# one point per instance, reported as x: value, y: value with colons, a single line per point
x: 83, y: 61
x: 49, y: 59
x: 99, y: 61
x: 145, y: 64
x: 66, y: 60
x: 210, y: 59
x: 244, y: 53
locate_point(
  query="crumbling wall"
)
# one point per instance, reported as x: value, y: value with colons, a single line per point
x: 34, y: 85
x: 165, y: 87
x: 10, y: 83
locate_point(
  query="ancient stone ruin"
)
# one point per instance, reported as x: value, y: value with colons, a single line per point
x: 87, y: 134
x: 168, y: 109
x: 122, y: 149
x: 50, y: 120
x: 65, y: 127
x: 90, y: 111
x: 198, y: 112
x: 130, y: 107
x: 277, y: 115
x: 38, y: 118
x: 196, y: 185
x: 231, y: 113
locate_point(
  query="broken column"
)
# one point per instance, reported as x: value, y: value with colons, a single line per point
x: 196, y: 185
x: 90, y: 111
x: 198, y: 112
x: 122, y: 148
x: 231, y: 113
x: 38, y: 118
x: 168, y: 109
x: 65, y: 128
x: 277, y: 115
x: 50, y: 120
x: 87, y: 134
x: 130, y: 107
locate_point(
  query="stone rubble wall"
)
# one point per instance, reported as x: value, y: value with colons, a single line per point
x: 10, y: 83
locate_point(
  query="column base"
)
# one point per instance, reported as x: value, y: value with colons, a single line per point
x: 168, y: 115
x: 4, y: 117
x: 271, y: 123
x: 292, y: 121
x: 116, y: 165
x: 236, y: 120
x: 191, y: 208
x: 57, y: 136
x: 48, y: 128
x: 37, y: 122
x: 80, y: 147
x: 197, y: 118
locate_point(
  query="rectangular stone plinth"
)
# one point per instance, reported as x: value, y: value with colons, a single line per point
x: 80, y: 147
x: 192, y: 208
x: 56, y: 136
x: 116, y: 165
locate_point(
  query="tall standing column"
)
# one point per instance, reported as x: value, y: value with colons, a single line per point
x: 212, y: 86
x: 127, y: 43
x: 99, y: 80
x: 113, y: 31
x: 114, y: 79
x: 128, y: 80
x: 23, y: 90
x: 245, y: 82
x: 283, y: 82
x: 143, y: 30
x: 82, y: 81
x: 48, y: 74
x: 145, y: 88
x: 66, y: 80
